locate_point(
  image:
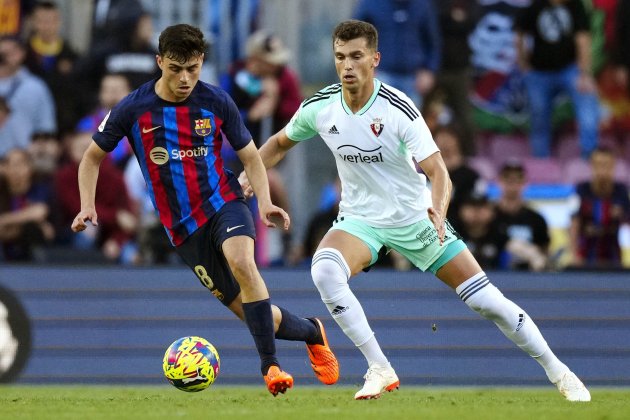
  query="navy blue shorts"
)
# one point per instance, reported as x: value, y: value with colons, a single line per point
x: 202, y: 252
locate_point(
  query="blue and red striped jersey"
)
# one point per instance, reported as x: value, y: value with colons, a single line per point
x: 178, y: 147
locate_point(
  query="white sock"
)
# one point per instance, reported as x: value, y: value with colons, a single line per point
x: 330, y: 274
x: 373, y: 353
x: 483, y: 297
x: 552, y: 365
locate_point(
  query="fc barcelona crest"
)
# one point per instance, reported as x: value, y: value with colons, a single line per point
x: 203, y: 127
x: 377, y: 126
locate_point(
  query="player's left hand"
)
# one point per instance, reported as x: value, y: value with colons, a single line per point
x: 269, y: 212
x: 437, y: 219
x: 248, y: 191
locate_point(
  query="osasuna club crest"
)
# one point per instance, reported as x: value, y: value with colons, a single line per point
x: 203, y: 127
x: 377, y: 126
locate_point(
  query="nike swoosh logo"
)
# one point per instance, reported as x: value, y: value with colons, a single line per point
x: 148, y: 130
x: 230, y: 229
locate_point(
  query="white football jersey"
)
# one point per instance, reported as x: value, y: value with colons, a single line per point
x: 373, y: 151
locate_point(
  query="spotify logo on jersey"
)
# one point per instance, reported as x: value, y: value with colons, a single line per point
x: 159, y: 155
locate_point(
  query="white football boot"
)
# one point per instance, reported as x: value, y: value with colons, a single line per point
x: 572, y: 388
x: 378, y: 379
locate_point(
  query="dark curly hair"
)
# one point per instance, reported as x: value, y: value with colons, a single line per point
x: 182, y: 42
x: 353, y: 29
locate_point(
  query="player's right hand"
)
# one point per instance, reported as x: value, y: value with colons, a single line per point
x: 245, y: 185
x: 79, y: 223
x: 438, y: 222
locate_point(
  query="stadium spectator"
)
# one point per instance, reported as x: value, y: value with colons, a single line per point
x: 409, y: 32
x: 27, y: 95
x: 24, y: 210
x: 45, y: 151
x: 600, y: 206
x: 380, y: 141
x: 478, y: 225
x: 559, y: 61
x: 50, y: 57
x: 117, y: 223
x: 267, y: 92
x: 110, y: 18
x: 457, y: 20
x: 528, y: 246
x: 113, y: 88
x: 263, y: 86
x: 131, y: 53
x: 201, y: 204
x: 465, y: 179
x: 12, y: 133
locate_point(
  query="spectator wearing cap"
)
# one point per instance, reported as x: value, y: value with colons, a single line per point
x: 526, y: 229
x: 27, y: 95
x: 267, y: 92
x: 264, y: 86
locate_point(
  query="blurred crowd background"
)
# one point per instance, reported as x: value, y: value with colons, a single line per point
x: 528, y: 100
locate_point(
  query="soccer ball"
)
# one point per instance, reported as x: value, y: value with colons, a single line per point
x: 191, y: 364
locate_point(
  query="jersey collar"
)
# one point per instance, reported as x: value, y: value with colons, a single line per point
x: 377, y: 86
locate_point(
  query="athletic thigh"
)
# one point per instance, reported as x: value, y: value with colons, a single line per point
x: 209, y: 265
x: 202, y: 251
x: 355, y: 240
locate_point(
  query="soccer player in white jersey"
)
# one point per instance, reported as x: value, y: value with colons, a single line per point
x: 379, y: 139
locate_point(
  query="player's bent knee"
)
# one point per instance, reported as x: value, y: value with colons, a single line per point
x: 242, y: 267
x: 330, y: 274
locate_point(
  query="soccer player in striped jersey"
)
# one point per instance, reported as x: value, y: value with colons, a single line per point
x: 379, y: 140
x: 176, y: 125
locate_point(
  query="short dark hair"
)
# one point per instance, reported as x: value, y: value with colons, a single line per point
x: 46, y: 5
x: 604, y: 150
x: 512, y: 166
x: 353, y: 29
x: 181, y: 42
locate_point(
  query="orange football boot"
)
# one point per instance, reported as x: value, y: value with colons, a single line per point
x: 323, y: 360
x: 277, y: 380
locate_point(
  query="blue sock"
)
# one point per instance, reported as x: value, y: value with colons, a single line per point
x: 295, y: 328
x: 259, y: 320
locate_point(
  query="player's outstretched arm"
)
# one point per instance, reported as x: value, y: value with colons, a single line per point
x: 272, y: 152
x: 275, y: 148
x: 88, y: 175
x: 441, y: 187
x: 258, y: 183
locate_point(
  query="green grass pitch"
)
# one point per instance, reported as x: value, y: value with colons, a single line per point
x: 227, y: 402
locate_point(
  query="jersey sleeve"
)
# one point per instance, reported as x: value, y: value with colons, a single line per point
x: 303, y: 123
x: 113, y: 128
x: 418, y: 139
x: 233, y: 127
